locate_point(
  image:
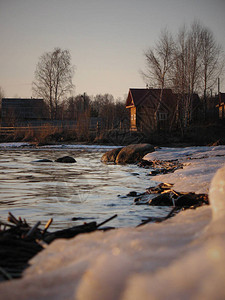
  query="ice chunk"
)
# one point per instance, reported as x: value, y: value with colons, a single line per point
x: 217, y: 194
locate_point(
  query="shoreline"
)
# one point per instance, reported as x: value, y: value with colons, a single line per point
x: 196, y: 135
x: 136, y: 262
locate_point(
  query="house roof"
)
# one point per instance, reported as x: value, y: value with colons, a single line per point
x: 15, y: 101
x: 221, y: 98
x: 28, y: 108
x: 150, y: 98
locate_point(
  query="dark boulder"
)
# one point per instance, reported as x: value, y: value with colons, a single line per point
x: 132, y: 194
x: 145, y: 163
x: 184, y: 200
x: 110, y: 156
x: 133, y: 153
x: 192, y: 199
x: 65, y: 159
x: 161, y: 200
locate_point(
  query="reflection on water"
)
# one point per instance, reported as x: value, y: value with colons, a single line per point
x: 87, y: 189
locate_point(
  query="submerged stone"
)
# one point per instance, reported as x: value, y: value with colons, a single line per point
x: 132, y: 194
x: 43, y: 160
x: 65, y: 159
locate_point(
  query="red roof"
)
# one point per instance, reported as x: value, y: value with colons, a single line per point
x: 150, y: 98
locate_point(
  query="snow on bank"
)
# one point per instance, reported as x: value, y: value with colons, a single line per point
x: 182, y: 258
x: 102, y: 266
x: 201, y: 164
x: 3, y: 146
x: 80, y: 147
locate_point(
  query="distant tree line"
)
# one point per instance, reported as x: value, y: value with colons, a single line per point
x: 107, y: 112
x: 188, y: 63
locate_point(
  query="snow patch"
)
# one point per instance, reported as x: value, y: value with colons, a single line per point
x: 13, y: 145
x: 217, y: 194
x: 200, y: 165
x: 80, y: 147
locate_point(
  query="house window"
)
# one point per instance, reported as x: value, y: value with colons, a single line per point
x: 221, y: 112
x: 133, y: 117
x: 162, y: 116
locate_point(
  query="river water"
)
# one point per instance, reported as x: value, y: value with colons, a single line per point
x: 88, y: 190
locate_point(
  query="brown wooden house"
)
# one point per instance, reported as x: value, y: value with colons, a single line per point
x: 221, y: 106
x: 145, y: 111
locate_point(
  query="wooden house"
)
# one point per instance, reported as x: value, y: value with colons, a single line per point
x: 22, y: 111
x: 221, y: 106
x: 146, y: 111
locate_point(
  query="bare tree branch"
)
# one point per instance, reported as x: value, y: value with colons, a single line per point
x: 53, y: 78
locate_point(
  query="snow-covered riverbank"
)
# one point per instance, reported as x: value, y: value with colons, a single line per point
x: 181, y: 258
x: 201, y: 163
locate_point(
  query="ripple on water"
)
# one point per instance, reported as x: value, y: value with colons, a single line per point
x: 86, y: 189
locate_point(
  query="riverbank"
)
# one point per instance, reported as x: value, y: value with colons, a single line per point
x: 195, y: 135
x: 181, y: 258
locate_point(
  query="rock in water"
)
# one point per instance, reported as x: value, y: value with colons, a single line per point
x: 161, y: 200
x: 110, y: 156
x: 133, y: 153
x: 45, y: 160
x: 132, y: 194
x: 66, y: 159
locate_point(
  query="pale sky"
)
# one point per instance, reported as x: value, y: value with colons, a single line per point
x: 106, y: 39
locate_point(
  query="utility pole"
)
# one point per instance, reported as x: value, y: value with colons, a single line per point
x: 84, y: 101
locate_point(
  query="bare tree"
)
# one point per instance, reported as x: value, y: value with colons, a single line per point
x: 186, y: 70
x: 77, y: 106
x: 188, y: 64
x: 158, y: 60
x: 194, y: 46
x: 103, y: 106
x: 158, y: 63
x: 198, y: 62
x: 212, y: 62
x: 178, y: 74
x: 53, y: 78
x: 193, y: 69
x: 212, y: 59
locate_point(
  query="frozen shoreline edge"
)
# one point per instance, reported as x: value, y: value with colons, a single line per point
x: 131, y: 263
